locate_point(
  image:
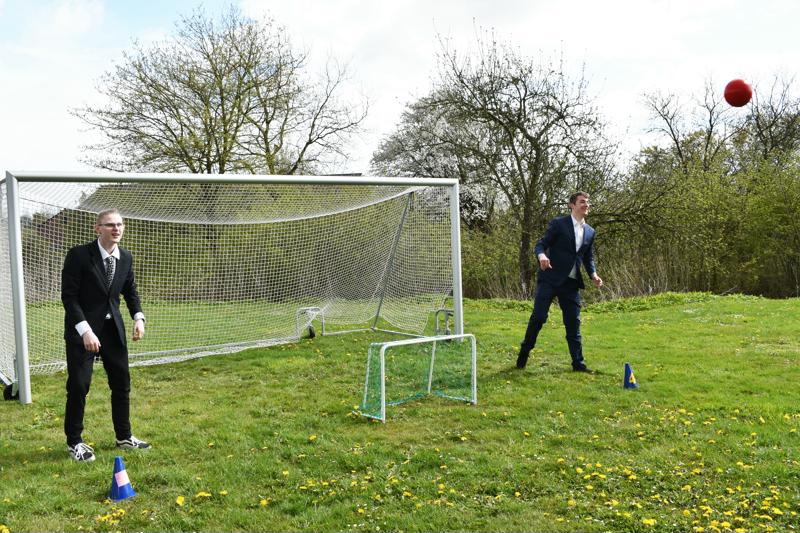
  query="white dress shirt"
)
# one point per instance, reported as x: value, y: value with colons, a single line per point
x: 579, y: 232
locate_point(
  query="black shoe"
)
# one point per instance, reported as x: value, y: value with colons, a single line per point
x: 522, y: 358
x: 132, y: 443
x: 81, y: 452
x: 580, y: 367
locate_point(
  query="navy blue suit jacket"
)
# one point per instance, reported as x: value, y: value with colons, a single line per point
x: 84, y: 293
x: 558, y: 244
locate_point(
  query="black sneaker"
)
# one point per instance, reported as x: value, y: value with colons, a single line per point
x: 580, y: 367
x: 81, y: 452
x: 132, y: 443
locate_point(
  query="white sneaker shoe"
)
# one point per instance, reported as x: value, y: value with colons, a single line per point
x: 81, y: 452
x: 132, y: 443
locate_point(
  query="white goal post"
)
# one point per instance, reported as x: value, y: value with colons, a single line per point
x: 444, y: 366
x: 228, y: 262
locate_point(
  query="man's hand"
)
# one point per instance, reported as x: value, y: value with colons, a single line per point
x: 544, y: 262
x: 138, y: 330
x: 597, y: 281
x: 90, y: 342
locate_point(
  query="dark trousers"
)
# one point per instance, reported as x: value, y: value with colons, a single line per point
x: 569, y: 299
x: 79, y: 378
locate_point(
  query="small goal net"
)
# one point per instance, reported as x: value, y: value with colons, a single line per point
x: 402, y: 371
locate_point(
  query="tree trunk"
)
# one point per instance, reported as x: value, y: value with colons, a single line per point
x: 525, y: 264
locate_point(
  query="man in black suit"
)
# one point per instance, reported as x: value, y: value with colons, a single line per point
x: 567, y: 245
x: 93, y: 277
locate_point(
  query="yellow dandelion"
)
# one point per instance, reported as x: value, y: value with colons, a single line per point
x: 202, y: 494
x: 179, y: 500
x: 571, y: 503
x: 589, y: 487
x: 263, y: 502
x: 560, y: 460
x: 285, y: 472
x: 526, y: 433
x: 312, y: 438
x: 223, y: 493
x: 4, y: 529
x: 361, y: 511
x: 649, y: 521
x: 517, y: 494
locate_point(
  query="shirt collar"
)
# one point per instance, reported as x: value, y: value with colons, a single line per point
x: 104, y: 254
x: 577, y: 224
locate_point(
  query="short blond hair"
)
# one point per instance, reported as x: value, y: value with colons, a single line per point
x: 102, y: 214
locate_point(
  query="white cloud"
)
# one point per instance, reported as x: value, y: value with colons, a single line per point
x: 47, y: 69
x: 629, y: 47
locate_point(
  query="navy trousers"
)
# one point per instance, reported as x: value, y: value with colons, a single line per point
x: 569, y: 299
x: 80, y: 364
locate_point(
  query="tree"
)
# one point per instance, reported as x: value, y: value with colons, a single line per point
x: 221, y: 96
x: 726, y: 183
x: 519, y: 135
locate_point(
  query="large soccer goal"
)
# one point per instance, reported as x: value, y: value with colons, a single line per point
x: 228, y: 262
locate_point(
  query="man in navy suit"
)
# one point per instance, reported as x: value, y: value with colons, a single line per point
x: 93, y: 277
x: 567, y: 245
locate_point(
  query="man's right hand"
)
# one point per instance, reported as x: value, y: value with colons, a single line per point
x: 544, y: 262
x: 91, y: 342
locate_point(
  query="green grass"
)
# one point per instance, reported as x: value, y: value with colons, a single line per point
x: 265, y: 439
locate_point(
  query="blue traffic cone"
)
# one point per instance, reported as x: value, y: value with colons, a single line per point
x: 120, y: 484
x: 630, y: 379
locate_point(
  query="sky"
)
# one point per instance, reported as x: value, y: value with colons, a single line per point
x: 53, y: 53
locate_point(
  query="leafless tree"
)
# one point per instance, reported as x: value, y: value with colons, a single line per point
x: 518, y: 133
x: 226, y: 95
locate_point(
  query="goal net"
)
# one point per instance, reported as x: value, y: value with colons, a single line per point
x: 224, y: 263
x: 402, y: 371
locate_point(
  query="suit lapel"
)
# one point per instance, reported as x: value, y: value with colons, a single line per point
x: 588, y: 233
x: 570, y: 229
x: 97, y: 263
x: 121, y: 272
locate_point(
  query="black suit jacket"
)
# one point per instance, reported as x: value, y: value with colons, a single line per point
x: 558, y: 244
x: 84, y: 293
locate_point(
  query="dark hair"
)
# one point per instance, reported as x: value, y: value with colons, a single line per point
x: 574, y: 196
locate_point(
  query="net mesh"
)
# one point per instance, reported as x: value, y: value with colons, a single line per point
x: 222, y: 267
x: 412, y: 371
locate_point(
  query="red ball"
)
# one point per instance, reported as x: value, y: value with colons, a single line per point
x: 738, y: 93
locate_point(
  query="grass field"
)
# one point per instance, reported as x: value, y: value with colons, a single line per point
x: 264, y: 440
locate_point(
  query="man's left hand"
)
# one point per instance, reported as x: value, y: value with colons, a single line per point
x: 597, y: 281
x: 138, y: 330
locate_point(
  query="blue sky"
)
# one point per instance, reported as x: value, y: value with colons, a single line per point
x: 52, y: 52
